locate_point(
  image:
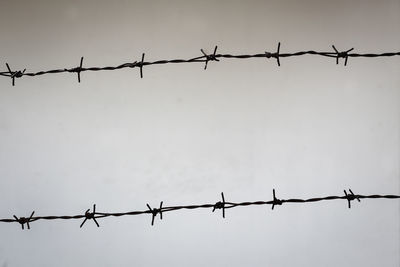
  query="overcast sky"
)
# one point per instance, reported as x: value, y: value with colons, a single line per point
x: 182, y: 135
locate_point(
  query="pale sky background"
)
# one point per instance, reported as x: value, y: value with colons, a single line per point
x: 182, y: 135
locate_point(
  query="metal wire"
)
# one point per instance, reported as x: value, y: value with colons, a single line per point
x: 223, y: 205
x: 205, y: 58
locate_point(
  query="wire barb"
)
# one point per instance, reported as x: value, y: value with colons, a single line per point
x: 343, y: 54
x: 23, y: 220
x: 154, y: 212
x: 275, y: 55
x: 140, y: 64
x: 78, y: 70
x: 350, y: 197
x: 14, y: 74
x: 211, y: 57
x: 90, y: 215
x: 275, y: 201
x: 220, y: 205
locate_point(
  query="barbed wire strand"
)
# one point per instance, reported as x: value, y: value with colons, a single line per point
x: 223, y: 205
x: 205, y: 58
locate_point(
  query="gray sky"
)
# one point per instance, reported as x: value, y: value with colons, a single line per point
x: 182, y: 135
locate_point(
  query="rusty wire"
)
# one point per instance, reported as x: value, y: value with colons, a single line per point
x: 204, y: 58
x: 222, y: 204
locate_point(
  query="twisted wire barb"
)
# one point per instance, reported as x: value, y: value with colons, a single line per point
x: 204, y: 58
x: 223, y: 205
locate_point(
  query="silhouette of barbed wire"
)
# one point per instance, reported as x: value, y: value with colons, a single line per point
x: 204, y: 58
x: 222, y: 205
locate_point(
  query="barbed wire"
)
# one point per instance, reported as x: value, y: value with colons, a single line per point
x: 222, y: 205
x: 204, y: 58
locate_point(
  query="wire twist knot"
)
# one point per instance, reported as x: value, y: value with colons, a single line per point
x: 133, y: 64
